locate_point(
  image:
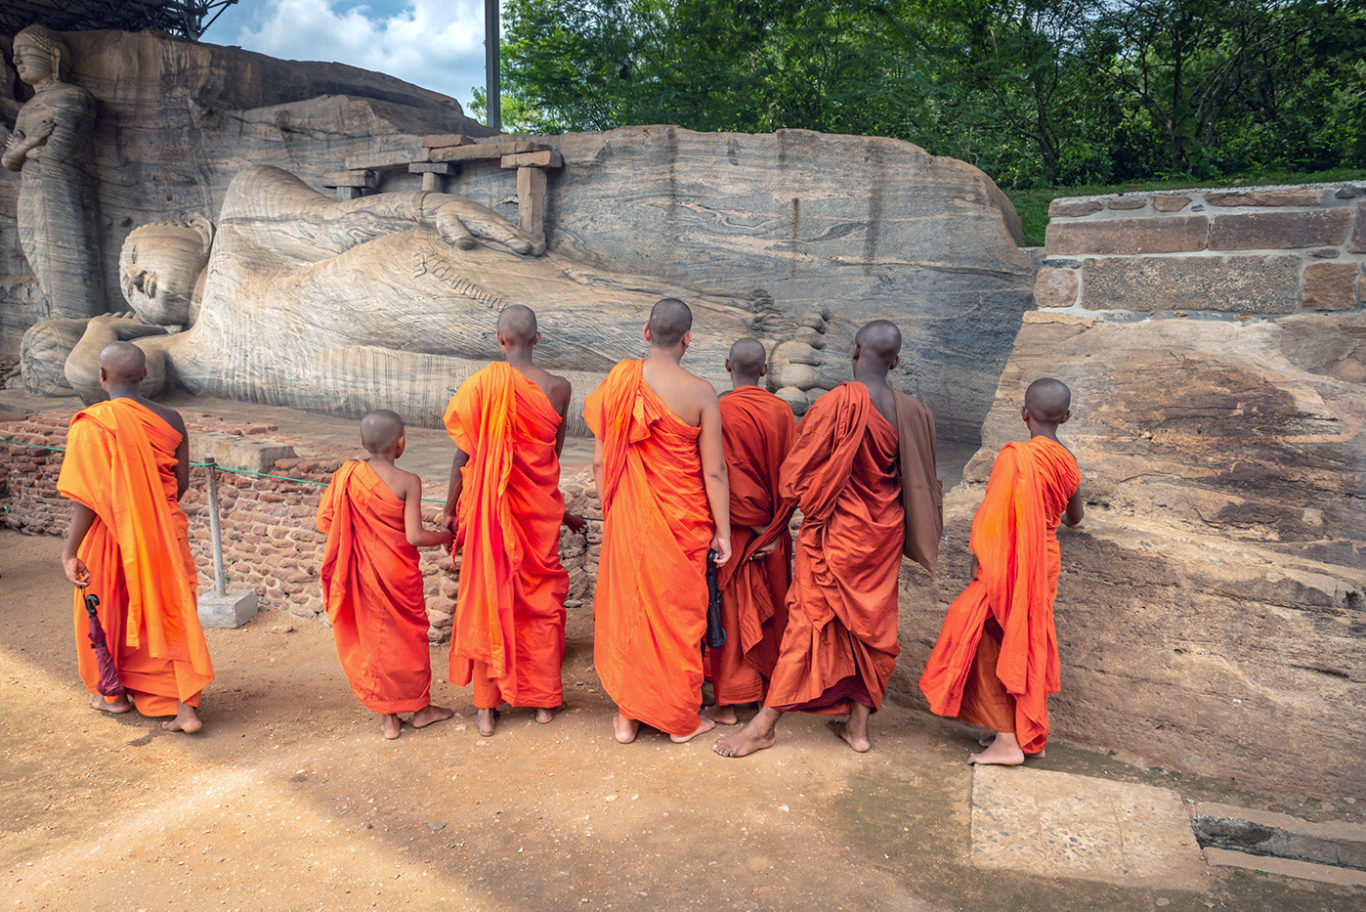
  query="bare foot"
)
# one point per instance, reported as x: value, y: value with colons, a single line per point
x: 855, y: 730
x: 758, y: 734
x: 1004, y: 750
x: 120, y: 705
x: 391, y: 726
x: 186, y: 720
x: 703, y: 725
x: 1036, y: 755
x: 841, y: 730
x: 624, y: 729
x: 429, y: 714
x: 545, y: 713
x: 721, y: 715
x: 485, y: 720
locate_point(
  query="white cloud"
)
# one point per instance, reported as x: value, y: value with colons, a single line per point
x: 436, y: 44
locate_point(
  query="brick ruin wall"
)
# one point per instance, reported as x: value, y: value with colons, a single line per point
x: 270, y: 543
x: 1264, y: 251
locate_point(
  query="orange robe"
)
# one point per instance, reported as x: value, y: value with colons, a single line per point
x: 756, y: 432
x: 372, y: 589
x: 996, y: 660
x: 121, y: 462
x: 509, y: 616
x: 650, y: 607
x: 840, y: 645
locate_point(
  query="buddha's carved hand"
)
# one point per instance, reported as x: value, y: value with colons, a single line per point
x: 461, y: 221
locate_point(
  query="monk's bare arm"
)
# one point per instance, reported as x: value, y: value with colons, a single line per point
x: 182, y: 462
x: 564, y: 392
x: 1075, y: 510
x: 418, y: 535
x: 714, y: 477
x: 599, y: 479
x: 453, y: 491
x: 82, y: 518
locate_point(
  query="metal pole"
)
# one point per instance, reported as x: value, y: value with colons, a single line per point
x: 494, y: 90
x: 220, y: 582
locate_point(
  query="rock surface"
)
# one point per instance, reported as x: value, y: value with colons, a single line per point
x: 1210, y: 614
x: 828, y: 231
x: 865, y: 227
x: 176, y: 120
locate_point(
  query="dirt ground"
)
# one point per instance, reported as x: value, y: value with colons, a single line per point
x: 289, y: 799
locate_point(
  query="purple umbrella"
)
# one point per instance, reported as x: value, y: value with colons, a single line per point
x: 111, y: 685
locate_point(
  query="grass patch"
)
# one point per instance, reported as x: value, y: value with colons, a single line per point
x: 1032, y: 204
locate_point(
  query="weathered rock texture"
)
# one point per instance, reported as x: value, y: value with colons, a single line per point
x: 830, y: 230
x: 270, y: 544
x: 865, y: 226
x: 1210, y: 616
x: 175, y: 121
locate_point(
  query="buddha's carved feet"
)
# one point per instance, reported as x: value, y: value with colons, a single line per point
x: 814, y: 360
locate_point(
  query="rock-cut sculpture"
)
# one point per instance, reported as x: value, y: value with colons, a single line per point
x: 383, y: 301
x: 50, y: 147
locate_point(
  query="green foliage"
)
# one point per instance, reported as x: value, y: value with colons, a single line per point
x: 1038, y: 93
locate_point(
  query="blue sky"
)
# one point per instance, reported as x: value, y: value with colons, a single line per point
x: 437, y: 44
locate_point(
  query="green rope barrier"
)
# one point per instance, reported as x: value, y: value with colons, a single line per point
x: 223, y: 468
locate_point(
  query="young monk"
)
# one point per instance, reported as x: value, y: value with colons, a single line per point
x: 126, y: 467
x: 372, y: 587
x: 505, y: 507
x: 996, y: 660
x: 661, y: 477
x: 756, y: 431
x: 862, y: 472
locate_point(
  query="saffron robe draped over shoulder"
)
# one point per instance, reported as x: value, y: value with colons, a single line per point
x: 120, y: 462
x: 650, y: 607
x: 372, y: 589
x: 1014, y: 536
x: 756, y: 432
x: 840, y: 644
x: 509, y: 620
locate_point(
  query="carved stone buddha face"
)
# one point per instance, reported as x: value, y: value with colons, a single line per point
x: 161, y: 270
x: 38, y: 57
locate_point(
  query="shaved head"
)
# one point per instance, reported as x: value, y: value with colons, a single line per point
x: 747, y: 357
x: 880, y: 343
x: 123, y: 362
x: 1048, y: 400
x: 380, y: 430
x: 670, y: 320
x: 517, y: 323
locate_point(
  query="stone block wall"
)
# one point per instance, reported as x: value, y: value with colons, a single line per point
x: 1263, y: 251
x: 269, y: 540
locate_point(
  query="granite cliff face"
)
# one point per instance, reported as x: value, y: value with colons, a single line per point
x: 176, y: 120
x: 824, y: 231
x: 865, y: 227
x: 1210, y: 615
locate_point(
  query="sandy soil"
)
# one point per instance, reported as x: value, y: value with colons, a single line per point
x: 290, y: 799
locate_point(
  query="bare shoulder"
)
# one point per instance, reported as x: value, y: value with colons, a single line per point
x: 169, y: 415
x: 555, y: 387
x: 700, y: 390
x: 410, y: 482
x: 559, y: 390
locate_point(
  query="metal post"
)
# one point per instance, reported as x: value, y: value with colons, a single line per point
x: 220, y: 582
x: 494, y: 96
